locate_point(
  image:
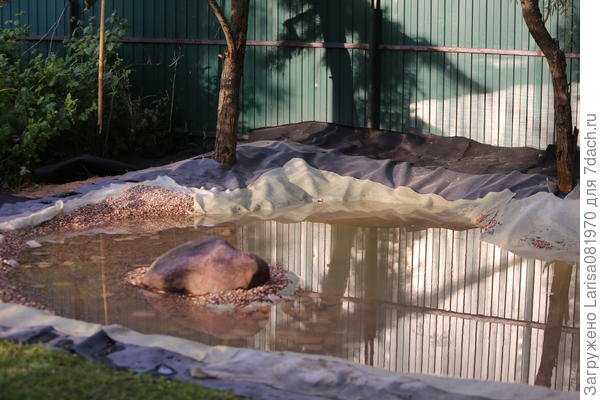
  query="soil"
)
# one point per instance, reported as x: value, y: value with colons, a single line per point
x: 37, y: 190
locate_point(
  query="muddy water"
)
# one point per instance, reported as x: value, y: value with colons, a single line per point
x: 416, y: 299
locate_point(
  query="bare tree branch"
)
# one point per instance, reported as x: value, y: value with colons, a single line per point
x: 224, y: 25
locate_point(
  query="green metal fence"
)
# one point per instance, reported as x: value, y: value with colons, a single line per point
x: 451, y: 67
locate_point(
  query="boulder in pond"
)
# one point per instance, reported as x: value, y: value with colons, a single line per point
x: 205, y: 266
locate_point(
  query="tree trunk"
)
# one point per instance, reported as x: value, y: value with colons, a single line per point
x: 231, y: 78
x: 228, y: 111
x: 566, y: 137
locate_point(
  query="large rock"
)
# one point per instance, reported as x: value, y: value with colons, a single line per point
x: 205, y: 266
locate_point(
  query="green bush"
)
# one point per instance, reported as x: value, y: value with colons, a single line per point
x: 48, y: 104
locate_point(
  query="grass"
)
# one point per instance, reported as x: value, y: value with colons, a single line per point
x: 36, y: 372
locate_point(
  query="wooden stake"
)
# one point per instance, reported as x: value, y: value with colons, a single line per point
x: 101, y: 59
x: 374, y: 89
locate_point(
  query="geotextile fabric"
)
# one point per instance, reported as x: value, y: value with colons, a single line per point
x: 416, y: 147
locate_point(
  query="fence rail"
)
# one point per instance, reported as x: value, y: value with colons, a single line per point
x: 322, y: 45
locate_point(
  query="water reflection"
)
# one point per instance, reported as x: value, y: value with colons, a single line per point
x: 220, y: 323
x: 430, y: 300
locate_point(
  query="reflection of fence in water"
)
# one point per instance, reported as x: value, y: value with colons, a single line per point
x: 447, y: 303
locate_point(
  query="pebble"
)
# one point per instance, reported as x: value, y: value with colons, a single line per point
x: 43, y: 264
x: 165, y: 370
x: 126, y: 238
x: 142, y: 314
x: 197, y: 372
x: 1, y: 239
x: 324, y: 329
x: 273, y: 298
x: 11, y: 262
x: 322, y: 319
x: 312, y: 348
x: 33, y: 244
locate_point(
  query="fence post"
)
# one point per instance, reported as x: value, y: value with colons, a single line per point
x: 374, y: 104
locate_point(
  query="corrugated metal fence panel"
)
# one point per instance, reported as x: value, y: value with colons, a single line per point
x: 49, y: 17
x: 497, y: 99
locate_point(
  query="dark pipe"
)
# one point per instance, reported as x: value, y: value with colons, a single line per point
x: 374, y: 105
x: 73, y: 16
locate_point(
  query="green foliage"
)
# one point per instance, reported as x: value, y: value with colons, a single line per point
x: 36, y: 372
x: 48, y: 104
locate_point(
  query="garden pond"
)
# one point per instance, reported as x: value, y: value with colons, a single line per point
x: 407, y: 298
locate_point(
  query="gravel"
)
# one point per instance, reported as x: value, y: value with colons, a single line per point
x: 146, y: 207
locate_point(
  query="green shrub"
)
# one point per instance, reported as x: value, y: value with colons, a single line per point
x: 48, y: 104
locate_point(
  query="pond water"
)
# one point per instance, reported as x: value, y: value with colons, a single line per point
x: 407, y: 299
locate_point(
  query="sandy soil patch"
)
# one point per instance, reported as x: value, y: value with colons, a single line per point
x: 36, y: 191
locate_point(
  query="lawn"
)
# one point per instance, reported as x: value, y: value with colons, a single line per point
x: 37, y: 372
